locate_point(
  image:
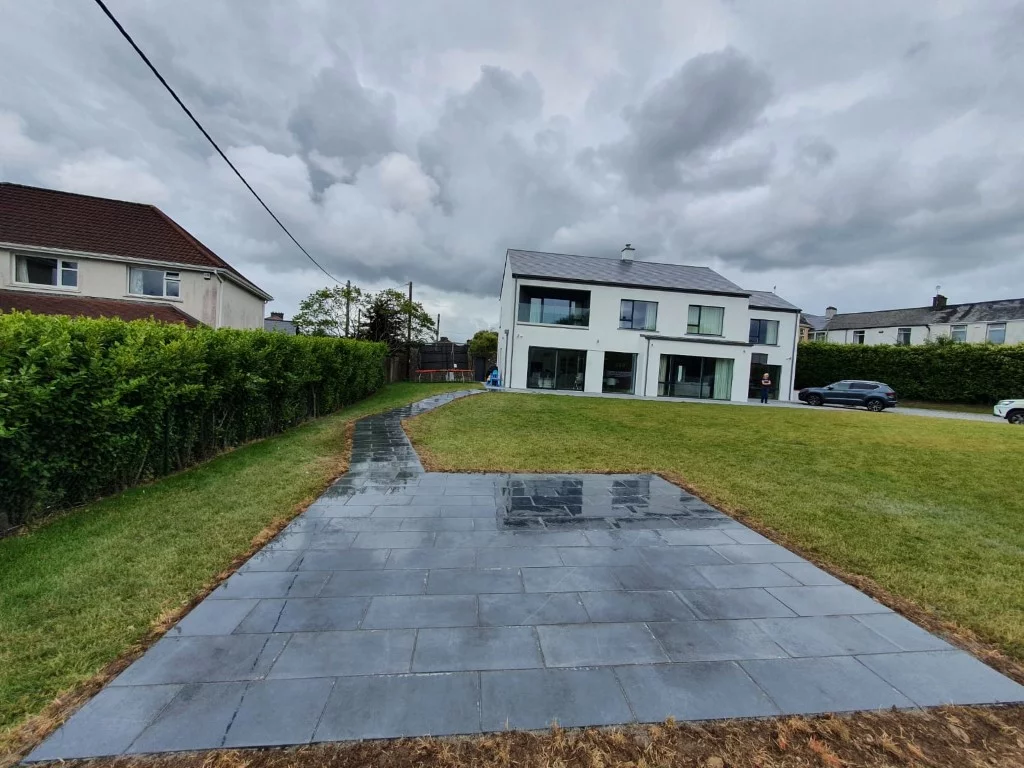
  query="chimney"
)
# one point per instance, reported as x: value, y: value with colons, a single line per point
x: 627, y: 252
x: 938, y: 301
x: 830, y: 312
x: 277, y: 315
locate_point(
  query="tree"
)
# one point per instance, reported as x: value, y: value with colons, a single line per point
x: 386, y: 316
x: 329, y: 311
x: 484, y: 344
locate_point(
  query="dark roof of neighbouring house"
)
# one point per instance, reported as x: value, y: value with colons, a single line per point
x: 977, y: 312
x: 279, y: 326
x: 48, y: 218
x: 769, y: 300
x: 630, y: 274
x: 88, y: 306
x: 816, y: 322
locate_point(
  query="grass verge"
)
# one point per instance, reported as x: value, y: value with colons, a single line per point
x: 957, y: 407
x: 929, y: 509
x: 966, y: 738
x: 82, y: 590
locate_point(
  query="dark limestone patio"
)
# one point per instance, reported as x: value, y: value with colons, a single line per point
x: 410, y: 603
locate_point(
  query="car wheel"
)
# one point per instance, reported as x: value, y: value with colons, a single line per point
x: 814, y: 400
x: 875, y: 405
x: 1015, y: 417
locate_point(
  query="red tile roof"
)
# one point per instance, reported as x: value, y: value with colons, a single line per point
x: 48, y: 218
x: 88, y: 306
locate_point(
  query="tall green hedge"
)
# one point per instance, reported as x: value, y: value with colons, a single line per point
x: 89, y: 407
x: 944, y: 373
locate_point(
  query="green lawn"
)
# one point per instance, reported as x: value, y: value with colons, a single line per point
x: 932, y: 509
x: 78, y: 592
x: 961, y: 407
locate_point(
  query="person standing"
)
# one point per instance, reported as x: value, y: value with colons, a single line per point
x: 766, y: 386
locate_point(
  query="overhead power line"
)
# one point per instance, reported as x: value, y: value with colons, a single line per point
x: 209, y: 138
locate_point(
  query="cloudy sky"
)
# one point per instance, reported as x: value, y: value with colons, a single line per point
x: 855, y: 154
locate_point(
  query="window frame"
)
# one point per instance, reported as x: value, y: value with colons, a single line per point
x: 761, y: 321
x: 575, y: 305
x: 959, y: 327
x: 700, y: 308
x: 819, y: 336
x: 168, y: 278
x: 988, y: 332
x: 863, y: 337
x: 64, y: 266
x: 899, y: 332
x: 632, y: 315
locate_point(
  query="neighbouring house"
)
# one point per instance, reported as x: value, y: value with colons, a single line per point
x: 812, y: 327
x: 278, y: 324
x: 68, y: 254
x: 997, y: 322
x: 635, y: 327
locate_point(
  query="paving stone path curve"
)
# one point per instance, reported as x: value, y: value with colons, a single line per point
x: 409, y: 603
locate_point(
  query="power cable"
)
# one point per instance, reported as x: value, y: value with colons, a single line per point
x: 209, y: 138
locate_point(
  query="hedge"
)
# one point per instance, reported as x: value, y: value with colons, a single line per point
x: 944, y: 373
x: 89, y: 407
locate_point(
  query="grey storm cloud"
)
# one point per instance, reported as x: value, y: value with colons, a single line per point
x: 812, y: 147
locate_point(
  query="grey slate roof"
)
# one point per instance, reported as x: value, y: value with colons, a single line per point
x: 639, y: 274
x: 978, y: 312
x: 281, y: 326
x: 768, y: 300
x: 817, y: 322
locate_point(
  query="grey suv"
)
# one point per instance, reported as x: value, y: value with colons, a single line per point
x: 873, y: 395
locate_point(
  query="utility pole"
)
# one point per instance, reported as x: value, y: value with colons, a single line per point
x: 408, y: 339
x: 437, y: 328
x: 348, y: 303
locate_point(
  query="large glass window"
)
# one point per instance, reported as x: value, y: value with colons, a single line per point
x: 903, y: 337
x: 858, y: 337
x: 708, y: 378
x: 554, y: 306
x: 556, y: 368
x: 764, y: 331
x: 705, y: 320
x: 619, y: 371
x: 958, y: 332
x: 638, y: 315
x: 996, y: 333
x: 41, y: 270
x: 154, y: 282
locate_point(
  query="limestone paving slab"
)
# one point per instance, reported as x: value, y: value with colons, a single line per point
x: 408, y: 603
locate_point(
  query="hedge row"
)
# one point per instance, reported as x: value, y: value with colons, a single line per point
x: 89, y: 407
x: 949, y: 373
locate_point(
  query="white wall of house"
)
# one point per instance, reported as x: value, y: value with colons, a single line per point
x: 604, y: 335
x: 919, y: 334
x: 108, y: 279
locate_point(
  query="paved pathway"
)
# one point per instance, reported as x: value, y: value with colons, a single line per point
x: 413, y: 603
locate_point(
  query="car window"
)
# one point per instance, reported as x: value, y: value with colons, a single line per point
x: 844, y: 385
x: 861, y: 385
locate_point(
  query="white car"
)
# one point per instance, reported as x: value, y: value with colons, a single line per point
x: 1011, y: 410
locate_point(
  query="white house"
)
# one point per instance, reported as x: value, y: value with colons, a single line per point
x: 634, y: 327
x: 997, y: 322
x: 69, y: 254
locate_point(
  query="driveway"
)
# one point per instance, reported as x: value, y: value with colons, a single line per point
x: 407, y: 603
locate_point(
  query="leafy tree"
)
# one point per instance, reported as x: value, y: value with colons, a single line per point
x: 386, y: 316
x: 484, y: 344
x: 323, y: 312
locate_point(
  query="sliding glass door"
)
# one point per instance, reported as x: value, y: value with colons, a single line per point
x: 708, y: 378
x: 556, y: 368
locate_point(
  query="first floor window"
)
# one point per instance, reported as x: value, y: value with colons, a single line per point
x: 42, y: 270
x: 556, y: 368
x: 996, y: 333
x: 903, y: 336
x: 705, y: 320
x: 958, y: 332
x: 858, y: 337
x: 154, y: 282
x: 619, y: 371
x: 764, y: 331
x: 638, y: 315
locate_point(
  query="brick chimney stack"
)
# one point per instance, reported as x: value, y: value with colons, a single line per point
x: 938, y: 301
x: 277, y: 315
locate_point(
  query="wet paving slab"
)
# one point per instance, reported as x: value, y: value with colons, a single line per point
x: 409, y: 603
